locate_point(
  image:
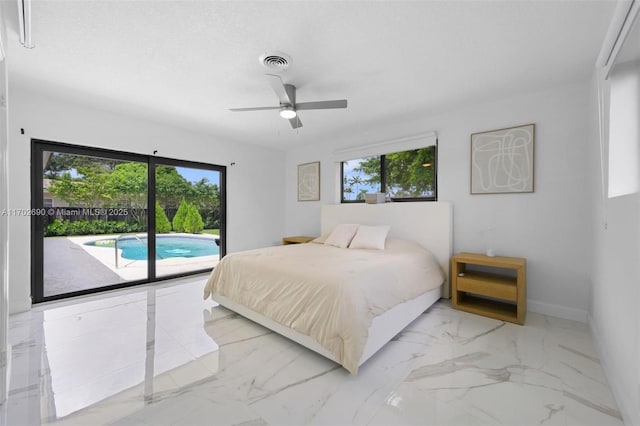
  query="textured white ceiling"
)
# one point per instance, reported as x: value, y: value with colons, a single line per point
x: 187, y: 62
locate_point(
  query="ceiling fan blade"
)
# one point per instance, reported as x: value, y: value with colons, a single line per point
x: 284, y: 96
x: 252, y: 109
x: 342, y: 103
x: 295, y: 122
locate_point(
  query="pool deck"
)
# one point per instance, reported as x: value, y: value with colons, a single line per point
x: 70, y: 265
x: 69, y: 268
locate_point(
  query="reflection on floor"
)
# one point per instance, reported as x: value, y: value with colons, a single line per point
x: 162, y: 355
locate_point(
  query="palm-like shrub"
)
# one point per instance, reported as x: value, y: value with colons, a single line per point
x: 181, y: 215
x: 193, y: 222
x: 163, y: 226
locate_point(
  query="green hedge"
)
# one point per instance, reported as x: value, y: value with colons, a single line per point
x: 61, y: 227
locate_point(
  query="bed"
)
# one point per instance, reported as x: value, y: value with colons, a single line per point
x: 344, y: 303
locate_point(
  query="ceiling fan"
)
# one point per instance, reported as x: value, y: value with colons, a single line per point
x: 288, y: 107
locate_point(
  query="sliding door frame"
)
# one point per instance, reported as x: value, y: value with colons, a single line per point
x: 162, y: 161
x: 39, y: 146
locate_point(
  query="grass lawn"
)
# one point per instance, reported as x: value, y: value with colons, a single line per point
x: 211, y: 231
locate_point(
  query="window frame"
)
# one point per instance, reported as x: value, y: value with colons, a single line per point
x: 383, y: 180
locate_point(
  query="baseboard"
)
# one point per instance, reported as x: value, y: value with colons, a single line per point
x: 625, y: 404
x: 557, y: 311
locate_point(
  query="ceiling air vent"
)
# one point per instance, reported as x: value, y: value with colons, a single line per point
x: 275, y: 60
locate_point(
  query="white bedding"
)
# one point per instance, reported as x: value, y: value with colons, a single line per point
x: 328, y: 293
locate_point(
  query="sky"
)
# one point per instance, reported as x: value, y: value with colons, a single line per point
x: 194, y: 175
x: 348, y: 171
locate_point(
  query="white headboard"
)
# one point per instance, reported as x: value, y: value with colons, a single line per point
x: 426, y: 223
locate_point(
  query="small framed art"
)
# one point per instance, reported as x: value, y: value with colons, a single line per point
x: 309, y: 181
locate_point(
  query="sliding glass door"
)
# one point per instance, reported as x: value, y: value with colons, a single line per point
x: 94, y: 210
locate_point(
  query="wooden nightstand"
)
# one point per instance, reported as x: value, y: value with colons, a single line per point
x: 501, y: 281
x: 299, y: 239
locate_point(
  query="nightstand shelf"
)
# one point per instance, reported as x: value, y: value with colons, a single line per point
x: 491, y: 286
x: 298, y: 239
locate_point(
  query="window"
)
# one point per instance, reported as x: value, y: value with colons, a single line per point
x: 624, y: 130
x: 402, y: 176
x: 619, y: 105
x: 624, y: 110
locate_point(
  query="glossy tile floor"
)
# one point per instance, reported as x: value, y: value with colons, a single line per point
x: 161, y: 355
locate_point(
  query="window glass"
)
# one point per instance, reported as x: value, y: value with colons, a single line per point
x: 92, y: 203
x: 410, y: 174
x: 359, y: 177
x: 624, y: 125
x: 188, y: 216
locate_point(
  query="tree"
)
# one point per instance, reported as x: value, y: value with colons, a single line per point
x: 410, y: 173
x: 163, y: 226
x: 370, y: 168
x: 95, y: 182
x: 85, y: 181
x: 89, y: 189
x: 128, y: 185
x: 59, y: 162
x: 193, y: 222
x: 180, y: 216
x: 206, y: 197
x: 205, y: 194
x: 348, y: 190
x: 171, y: 186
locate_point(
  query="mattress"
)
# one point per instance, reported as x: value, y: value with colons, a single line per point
x: 327, y: 293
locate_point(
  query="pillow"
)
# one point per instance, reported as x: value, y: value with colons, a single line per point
x: 370, y: 237
x: 342, y: 235
x: 320, y: 240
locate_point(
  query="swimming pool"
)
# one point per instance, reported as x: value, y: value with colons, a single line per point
x: 167, y: 246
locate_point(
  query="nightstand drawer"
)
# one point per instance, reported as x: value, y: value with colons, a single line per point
x: 487, y: 284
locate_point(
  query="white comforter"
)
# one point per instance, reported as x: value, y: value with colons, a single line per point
x: 327, y: 293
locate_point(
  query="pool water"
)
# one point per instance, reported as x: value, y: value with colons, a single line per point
x: 167, y: 246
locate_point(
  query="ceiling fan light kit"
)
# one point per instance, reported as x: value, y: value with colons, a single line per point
x: 287, y: 112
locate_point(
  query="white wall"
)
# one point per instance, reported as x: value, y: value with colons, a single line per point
x: 614, y: 308
x: 549, y: 227
x: 255, y: 195
x: 4, y: 288
x: 615, y: 303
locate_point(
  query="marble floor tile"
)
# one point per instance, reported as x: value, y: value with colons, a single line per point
x: 161, y: 356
